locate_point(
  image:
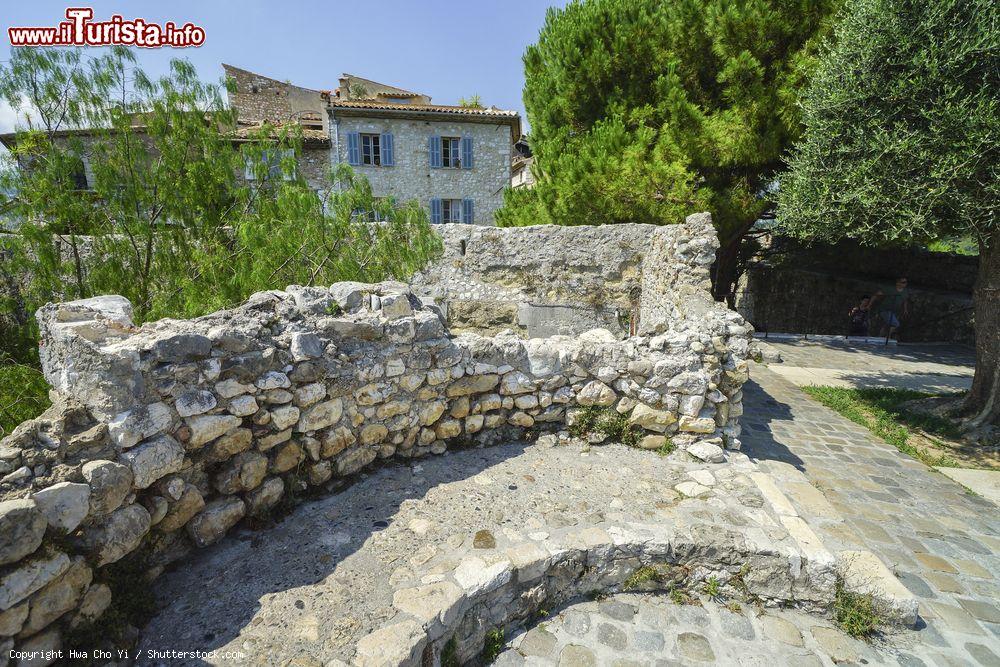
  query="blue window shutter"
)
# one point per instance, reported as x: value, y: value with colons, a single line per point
x: 466, y: 152
x: 353, y: 148
x: 468, y: 212
x: 385, y: 146
x: 435, y: 148
x: 435, y: 211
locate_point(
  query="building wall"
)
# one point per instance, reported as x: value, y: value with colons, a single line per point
x: 412, y: 177
x: 259, y: 98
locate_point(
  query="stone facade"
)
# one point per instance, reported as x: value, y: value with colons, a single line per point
x: 165, y: 436
x: 412, y: 177
x: 409, y: 117
x: 259, y: 98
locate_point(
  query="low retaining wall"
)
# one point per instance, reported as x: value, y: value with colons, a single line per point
x: 165, y: 436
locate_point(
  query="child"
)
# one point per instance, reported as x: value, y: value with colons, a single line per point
x: 859, y: 317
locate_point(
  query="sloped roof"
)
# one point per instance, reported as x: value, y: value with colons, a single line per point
x: 433, y: 108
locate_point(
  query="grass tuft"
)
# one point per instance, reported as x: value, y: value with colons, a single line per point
x: 449, y: 654
x: 857, y: 614
x: 492, y: 646
x: 606, y: 421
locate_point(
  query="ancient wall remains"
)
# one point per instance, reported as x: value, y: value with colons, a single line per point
x: 165, y: 436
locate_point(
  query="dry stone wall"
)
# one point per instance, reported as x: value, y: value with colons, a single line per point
x: 165, y: 436
x: 549, y: 279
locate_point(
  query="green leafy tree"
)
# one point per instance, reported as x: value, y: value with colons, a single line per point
x: 644, y: 111
x: 901, y: 145
x: 167, y: 218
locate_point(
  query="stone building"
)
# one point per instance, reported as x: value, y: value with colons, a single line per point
x: 454, y: 160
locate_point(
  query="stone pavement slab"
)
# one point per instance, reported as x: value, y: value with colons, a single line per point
x: 921, y: 367
x: 984, y: 482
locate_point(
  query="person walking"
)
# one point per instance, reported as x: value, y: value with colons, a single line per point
x: 893, y: 307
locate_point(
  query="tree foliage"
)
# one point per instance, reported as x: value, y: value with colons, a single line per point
x: 167, y: 219
x: 902, y: 126
x: 902, y: 123
x: 644, y: 111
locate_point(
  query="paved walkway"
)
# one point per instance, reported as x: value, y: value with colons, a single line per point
x: 943, y: 543
x: 630, y: 630
x: 929, y: 368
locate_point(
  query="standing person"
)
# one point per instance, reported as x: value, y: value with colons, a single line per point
x: 893, y: 308
x: 859, y: 317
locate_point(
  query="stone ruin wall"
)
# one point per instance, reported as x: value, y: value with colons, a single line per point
x: 163, y: 437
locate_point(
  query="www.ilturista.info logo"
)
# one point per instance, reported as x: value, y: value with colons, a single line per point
x: 79, y: 30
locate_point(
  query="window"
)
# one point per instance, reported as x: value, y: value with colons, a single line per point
x: 451, y: 210
x: 373, y: 214
x: 371, y: 152
x: 80, y: 176
x: 450, y: 152
x: 270, y: 165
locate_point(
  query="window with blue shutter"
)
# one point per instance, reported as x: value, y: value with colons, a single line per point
x: 468, y: 212
x: 466, y: 152
x: 353, y: 148
x: 388, y: 158
x: 435, y: 211
x: 435, y: 150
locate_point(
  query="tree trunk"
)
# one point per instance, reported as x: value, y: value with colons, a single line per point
x: 983, y: 401
x: 725, y: 271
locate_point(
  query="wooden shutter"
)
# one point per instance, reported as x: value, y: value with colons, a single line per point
x: 435, y: 152
x: 386, y: 148
x: 466, y: 152
x: 435, y: 211
x: 353, y: 148
x: 468, y: 212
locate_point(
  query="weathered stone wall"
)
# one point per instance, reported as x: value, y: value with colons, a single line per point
x: 412, y: 178
x: 165, y: 436
x: 549, y: 279
x: 259, y: 98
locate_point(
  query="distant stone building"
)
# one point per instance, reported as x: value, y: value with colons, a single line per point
x: 456, y: 161
x: 520, y: 167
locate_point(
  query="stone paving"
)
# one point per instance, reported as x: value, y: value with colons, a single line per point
x: 432, y: 548
x: 922, y: 367
x: 629, y: 630
x: 942, y: 543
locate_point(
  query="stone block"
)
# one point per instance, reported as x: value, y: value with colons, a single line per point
x: 22, y: 527
x: 64, y: 505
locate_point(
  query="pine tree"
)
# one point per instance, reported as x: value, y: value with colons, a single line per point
x: 645, y: 111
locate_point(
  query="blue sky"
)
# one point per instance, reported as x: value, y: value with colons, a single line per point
x: 445, y: 48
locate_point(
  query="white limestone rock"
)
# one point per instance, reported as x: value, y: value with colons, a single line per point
x: 64, y: 505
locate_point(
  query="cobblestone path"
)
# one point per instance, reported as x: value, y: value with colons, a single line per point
x: 942, y: 542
